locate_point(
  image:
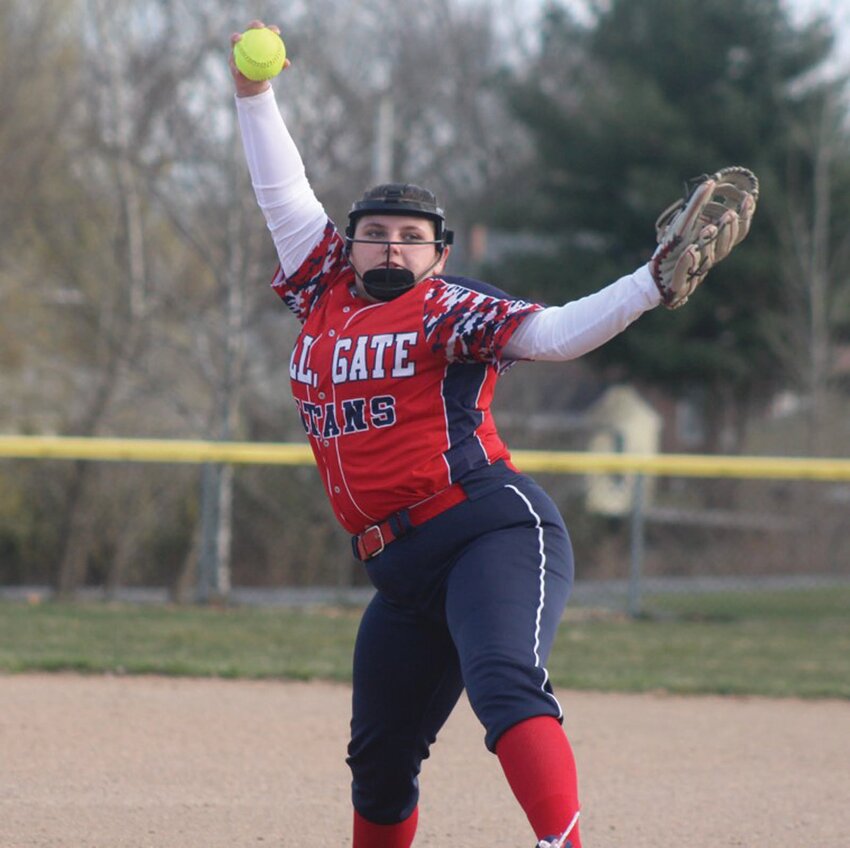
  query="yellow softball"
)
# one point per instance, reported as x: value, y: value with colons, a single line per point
x: 259, y: 54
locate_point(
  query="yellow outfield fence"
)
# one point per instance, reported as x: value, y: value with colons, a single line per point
x: 767, y: 530
x: 567, y: 462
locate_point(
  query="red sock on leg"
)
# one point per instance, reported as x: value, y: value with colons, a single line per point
x: 370, y: 835
x: 538, y: 762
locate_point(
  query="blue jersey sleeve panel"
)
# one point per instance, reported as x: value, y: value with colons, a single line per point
x: 479, y: 286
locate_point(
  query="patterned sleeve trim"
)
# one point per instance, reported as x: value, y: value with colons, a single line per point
x: 304, y: 287
x: 468, y: 325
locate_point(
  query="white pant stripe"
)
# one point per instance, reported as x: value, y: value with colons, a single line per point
x: 542, y: 595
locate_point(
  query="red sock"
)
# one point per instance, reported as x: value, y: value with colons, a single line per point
x: 538, y: 762
x: 369, y: 835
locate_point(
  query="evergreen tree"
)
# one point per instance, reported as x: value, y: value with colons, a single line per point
x: 624, y: 110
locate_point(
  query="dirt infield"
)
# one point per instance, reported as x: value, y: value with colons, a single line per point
x: 127, y: 761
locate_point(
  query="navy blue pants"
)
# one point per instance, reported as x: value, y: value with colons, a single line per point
x: 470, y: 599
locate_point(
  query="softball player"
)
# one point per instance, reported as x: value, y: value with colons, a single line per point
x: 393, y: 375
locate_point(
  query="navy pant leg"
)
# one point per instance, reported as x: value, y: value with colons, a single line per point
x: 505, y: 597
x: 473, y: 598
x: 406, y: 682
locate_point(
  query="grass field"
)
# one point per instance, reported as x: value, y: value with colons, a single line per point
x: 776, y: 644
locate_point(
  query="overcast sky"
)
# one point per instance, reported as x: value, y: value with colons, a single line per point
x: 838, y: 10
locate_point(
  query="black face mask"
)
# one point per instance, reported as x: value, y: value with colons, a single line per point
x: 388, y: 283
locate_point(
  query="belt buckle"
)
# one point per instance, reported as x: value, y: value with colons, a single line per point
x: 365, y: 535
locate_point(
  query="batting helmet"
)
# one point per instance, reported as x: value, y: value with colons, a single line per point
x: 401, y: 199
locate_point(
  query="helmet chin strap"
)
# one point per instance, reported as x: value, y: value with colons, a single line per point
x: 388, y: 283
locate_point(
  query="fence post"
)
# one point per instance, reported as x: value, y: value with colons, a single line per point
x: 638, y: 521
x: 208, y: 558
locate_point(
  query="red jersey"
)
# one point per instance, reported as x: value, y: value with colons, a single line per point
x: 394, y: 396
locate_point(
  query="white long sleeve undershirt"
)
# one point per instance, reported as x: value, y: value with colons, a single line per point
x: 558, y: 333
x: 295, y: 217
x: 296, y: 220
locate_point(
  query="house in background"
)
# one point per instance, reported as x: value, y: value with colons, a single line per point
x: 620, y: 421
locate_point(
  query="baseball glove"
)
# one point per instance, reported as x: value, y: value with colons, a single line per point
x: 697, y: 232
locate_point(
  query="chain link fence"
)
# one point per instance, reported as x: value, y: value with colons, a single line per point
x: 640, y: 525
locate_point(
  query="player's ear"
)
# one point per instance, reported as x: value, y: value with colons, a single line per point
x: 438, y: 268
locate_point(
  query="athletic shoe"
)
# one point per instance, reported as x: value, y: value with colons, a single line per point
x: 559, y: 841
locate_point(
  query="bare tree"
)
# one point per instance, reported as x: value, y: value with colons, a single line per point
x: 434, y: 65
x: 817, y: 273
x: 34, y: 99
x: 152, y: 252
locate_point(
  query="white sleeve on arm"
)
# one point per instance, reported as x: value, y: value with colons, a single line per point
x: 558, y: 333
x: 293, y: 214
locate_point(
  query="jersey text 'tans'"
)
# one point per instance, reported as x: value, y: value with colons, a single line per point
x: 353, y: 415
